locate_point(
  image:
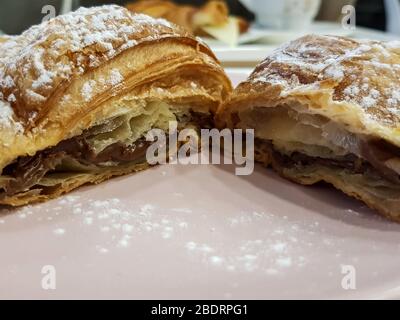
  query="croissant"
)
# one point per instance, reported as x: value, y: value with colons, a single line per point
x: 4, y: 38
x: 327, y: 109
x: 79, y: 92
x: 212, y: 19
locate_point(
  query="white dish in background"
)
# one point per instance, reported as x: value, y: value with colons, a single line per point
x: 256, y: 44
x: 319, y: 27
x: 285, y: 13
x: 252, y: 54
x: 199, y: 232
x: 269, y: 36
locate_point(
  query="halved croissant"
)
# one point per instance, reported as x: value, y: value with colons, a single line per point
x: 78, y: 93
x: 328, y: 109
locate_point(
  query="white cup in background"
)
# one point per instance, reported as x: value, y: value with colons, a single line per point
x: 284, y: 14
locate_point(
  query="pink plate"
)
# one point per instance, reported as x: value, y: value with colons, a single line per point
x: 199, y: 232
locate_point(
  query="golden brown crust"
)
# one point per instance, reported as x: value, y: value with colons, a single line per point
x: 212, y: 13
x: 321, y: 174
x: 36, y: 64
x: 57, y: 78
x: 67, y: 185
x: 353, y: 83
x: 181, y: 15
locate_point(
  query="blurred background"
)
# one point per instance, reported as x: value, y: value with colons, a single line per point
x: 240, y: 32
x: 17, y: 15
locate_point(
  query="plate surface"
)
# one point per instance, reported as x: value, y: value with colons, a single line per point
x: 199, y: 232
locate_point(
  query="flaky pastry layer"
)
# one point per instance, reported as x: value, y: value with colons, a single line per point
x: 77, y: 71
x: 326, y: 108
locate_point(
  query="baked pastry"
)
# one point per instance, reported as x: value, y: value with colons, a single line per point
x: 327, y: 109
x: 4, y: 38
x: 212, y: 19
x: 79, y: 92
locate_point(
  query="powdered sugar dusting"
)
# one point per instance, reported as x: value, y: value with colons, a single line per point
x: 250, y: 242
x: 59, y: 232
x: 6, y: 114
x: 362, y: 72
x: 33, y: 64
x: 87, y: 90
x: 119, y: 224
x: 115, y: 77
x: 7, y: 119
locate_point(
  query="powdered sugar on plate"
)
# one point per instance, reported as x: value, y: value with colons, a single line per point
x: 261, y: 236
x: 119, y: 225
x: 117, y: 222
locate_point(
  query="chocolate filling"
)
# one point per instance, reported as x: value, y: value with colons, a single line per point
x: 27, y: 171
x: 377, y: 152
x: 374, y: 153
